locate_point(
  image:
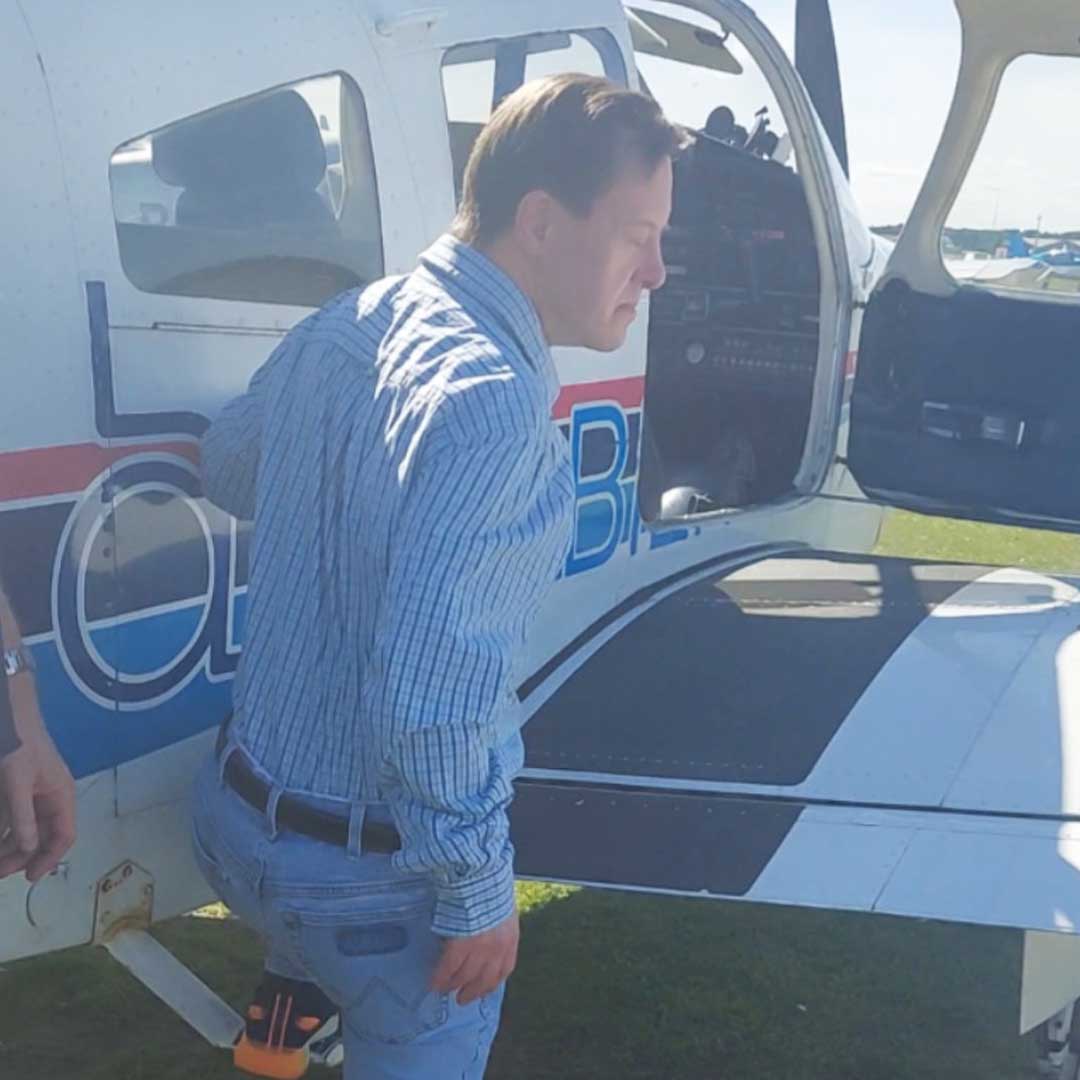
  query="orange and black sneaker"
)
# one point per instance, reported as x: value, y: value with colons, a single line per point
x: 289, y: 1024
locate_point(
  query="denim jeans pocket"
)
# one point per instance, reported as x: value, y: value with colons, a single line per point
x: 224, y: 875
x: 375, y: 963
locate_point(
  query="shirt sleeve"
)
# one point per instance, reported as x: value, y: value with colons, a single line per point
x: 8, y: 739
x: 230, y: 449
x: 485, y: 524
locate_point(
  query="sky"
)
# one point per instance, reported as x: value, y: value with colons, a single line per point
x: 898, y: 64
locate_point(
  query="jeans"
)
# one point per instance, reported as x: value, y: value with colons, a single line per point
x: 354, y: 925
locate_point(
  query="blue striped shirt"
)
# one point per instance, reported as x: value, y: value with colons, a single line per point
x: 412, y: 500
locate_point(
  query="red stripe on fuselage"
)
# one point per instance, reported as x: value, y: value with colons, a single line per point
x: 626, y: 392
x: 58, y: 470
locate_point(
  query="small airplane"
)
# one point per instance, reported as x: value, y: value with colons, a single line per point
x: 724, y: 672
x: 1017, y: 264
x: 1063, y: 252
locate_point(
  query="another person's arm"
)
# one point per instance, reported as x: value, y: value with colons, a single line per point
x: 480, y: 541
x: 8, y: 739
x: 37, y: 793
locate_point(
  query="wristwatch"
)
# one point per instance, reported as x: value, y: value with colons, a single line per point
x: 17, y: 661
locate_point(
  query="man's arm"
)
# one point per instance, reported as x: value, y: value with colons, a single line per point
x: 8, y: 739
x: 230, y: 451
x: 37, y: 793
x: 481, y: 538
x: 231, y: 448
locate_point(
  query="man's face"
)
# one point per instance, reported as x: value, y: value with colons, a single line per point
x: 593, y: 271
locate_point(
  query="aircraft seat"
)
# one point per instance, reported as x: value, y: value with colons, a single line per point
x: 247, y: 166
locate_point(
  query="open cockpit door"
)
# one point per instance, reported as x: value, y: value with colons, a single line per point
x: 675, y: 39
x: 967, y: 396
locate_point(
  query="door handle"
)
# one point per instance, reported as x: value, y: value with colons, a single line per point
x: 968, y: 423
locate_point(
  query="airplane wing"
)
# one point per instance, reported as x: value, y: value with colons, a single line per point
x: 874, y: 734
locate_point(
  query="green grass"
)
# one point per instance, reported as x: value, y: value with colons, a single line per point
x: 621, y: 986
x: 917, y: 537
x: 608, y: 986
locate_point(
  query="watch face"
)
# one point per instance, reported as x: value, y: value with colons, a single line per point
x: 15, y: 661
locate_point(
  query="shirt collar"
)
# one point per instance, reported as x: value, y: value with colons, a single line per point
x: 491, y: 293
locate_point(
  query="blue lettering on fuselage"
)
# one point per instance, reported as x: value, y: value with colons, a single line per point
x: 605, y: 449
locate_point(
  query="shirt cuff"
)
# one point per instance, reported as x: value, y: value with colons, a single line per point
x: 476, y: 903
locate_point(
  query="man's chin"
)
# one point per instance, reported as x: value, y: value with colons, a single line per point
x: 612, y: 337
x: 609, y: 343
x: 604, y: 338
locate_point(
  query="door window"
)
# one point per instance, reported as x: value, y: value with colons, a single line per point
x: 1015, y: 225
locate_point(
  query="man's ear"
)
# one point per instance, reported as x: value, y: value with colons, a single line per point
x: 534, y: 220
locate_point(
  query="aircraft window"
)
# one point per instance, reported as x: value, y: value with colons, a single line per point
x: 272, y: 198
x: 711, y: 84
x: 478, y: 76
x: 1015, y: 225
x: 733, y: 335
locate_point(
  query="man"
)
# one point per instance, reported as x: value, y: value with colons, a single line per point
x: 37, y: 793
x: 412, y: 503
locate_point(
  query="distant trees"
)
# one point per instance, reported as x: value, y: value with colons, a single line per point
x: 986, y: 240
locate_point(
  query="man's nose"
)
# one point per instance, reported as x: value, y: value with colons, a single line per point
x: 654, y: 272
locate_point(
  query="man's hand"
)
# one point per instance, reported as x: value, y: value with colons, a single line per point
x: 475, y: 966
x: 37, y: 797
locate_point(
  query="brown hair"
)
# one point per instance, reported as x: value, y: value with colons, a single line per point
x: 568, y: 135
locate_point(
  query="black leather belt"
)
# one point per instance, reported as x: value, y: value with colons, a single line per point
x: 375, y: 836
